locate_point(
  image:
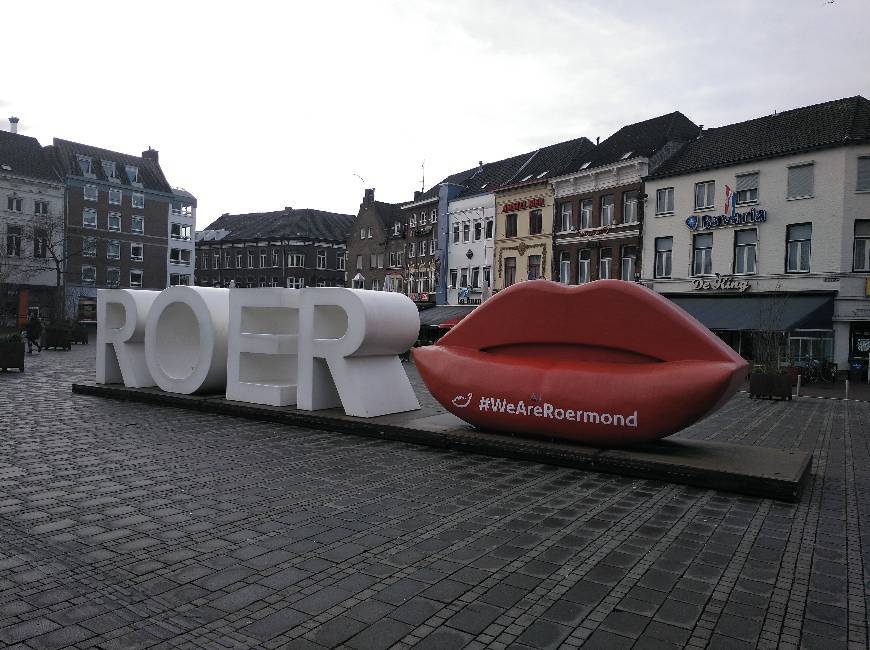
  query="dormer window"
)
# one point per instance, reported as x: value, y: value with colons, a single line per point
x: 542, y: 174
x: 586, y: 164
x: 626, y: 155
x: 525, y: 178
x: 110, y: 170
x: 86, y: 165
x: 133, y: 173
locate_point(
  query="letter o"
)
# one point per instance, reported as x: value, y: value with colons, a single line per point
x: 186, y: 339
x: 559, y: 414
x: 606, y: 418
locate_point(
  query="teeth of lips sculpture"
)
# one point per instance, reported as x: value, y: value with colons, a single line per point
x: 608, y: 363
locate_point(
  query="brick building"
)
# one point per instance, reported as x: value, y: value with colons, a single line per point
x: 376, y: 246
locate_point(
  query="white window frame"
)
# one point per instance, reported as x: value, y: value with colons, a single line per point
x: 321, y: 259
x: 293, y: 258
x: 705, y: 195
x: 605, y: 264
x: 113, y: 271
x: 134, y: 283
x: 40, y: 208
x: 116, y: 245
x: 116, y: 193
x: 341, y: 260
x: 663, y: 258
x: 585, y: 214
x: 137, y: 200
x: 89, y: 246
x: 456, y: 233
x: 566, y: 216
x: 89, y: 274
x: 86, y: 213
x: 664, y: 201
x: 798, y: 245
x: 862, y: 251
x: 141, y: 220
x: 565, y: 267
x: 748, y: 195
x: 630, y: 207
x: 702, y: 256
x: 627, y: 264
x: 90, y: 193
x: 134, y: 177
x: 584, y: 266
x: 116, y: 216
x: 744, y: 252
x: 607, y: 210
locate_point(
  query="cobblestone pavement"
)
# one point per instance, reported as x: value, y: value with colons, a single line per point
x: 126, y: 526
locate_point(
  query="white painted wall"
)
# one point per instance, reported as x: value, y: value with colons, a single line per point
x: 188, y: 220
x: 476, y: 208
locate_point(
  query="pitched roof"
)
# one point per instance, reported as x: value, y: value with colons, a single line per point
x: 24, y: 156
x: 639, y: 139
x: 830, y: 124
x: 388, y: 213
x: 150, y: 175
x: 491, y: 176
x: 548, y: 161
x: 284, y: 224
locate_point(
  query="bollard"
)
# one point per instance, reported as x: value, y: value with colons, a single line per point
x: 797, y: 392
x: 847, y: 389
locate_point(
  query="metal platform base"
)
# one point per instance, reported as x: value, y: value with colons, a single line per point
x: 757, y: 471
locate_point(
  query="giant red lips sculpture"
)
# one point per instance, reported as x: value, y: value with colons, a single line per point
x: 608, y: 363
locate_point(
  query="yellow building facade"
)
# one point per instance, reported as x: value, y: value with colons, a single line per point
x: 523, y: 234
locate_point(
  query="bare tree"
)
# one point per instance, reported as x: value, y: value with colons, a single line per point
x: 769, y: 341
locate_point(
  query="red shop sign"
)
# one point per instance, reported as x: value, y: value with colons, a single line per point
x: 529, y: 204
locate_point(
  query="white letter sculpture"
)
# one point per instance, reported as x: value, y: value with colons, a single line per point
x: 121, y: 314
x: 186, y: 339
x: 347, y: 353
x: 263, y: 348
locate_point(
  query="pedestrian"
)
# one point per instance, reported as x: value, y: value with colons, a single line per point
x: 34, y: 333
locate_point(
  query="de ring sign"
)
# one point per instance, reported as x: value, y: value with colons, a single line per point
x: 309, y: 348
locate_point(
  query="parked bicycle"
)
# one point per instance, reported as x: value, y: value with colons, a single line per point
x: 816, y: 370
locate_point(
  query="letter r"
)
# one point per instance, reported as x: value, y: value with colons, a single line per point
x: 121, y: 317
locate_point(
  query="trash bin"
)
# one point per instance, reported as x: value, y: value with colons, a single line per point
x: 858, y: 369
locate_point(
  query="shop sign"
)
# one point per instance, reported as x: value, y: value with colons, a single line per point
x: 708, y: 221
x: 529, y: 204
x: 720, y: 283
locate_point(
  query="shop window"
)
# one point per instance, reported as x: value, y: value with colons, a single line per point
x: 747, y: 188
x: 705, y: 195
x: 702, y: 254
x: 630, y: 202
x: 664, y: 250
x: 534, y: 267
x: 585, y: 214
x: 605, y: 263
x: 861, y: 258
x: 565, y: 267
x: 799, y: 238
x: 800, y: 181
x: 510, y: 270
x: 628, y: 262
x: 745, y: 243
x: 665, y: 200
x: 607, y: 210
x: 536, y: 222
x: 510, y: 226
x: 584, y: 263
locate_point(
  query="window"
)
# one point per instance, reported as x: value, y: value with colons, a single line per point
x: 295, y: 283
x: 228, y: 257
x: 584, y: 263
x: 251, y: 257
x: 565, y: 267
x: 397, y: 229
x: 629, y: 206
x: 585, y: 214
x: 628, y: 262
x: 489, y: 228
x: 114, y: 197
x: 605, y: 261
x: 422, y: 218
x: 376, y: 286
x: 487, y: 275
x: 475, y: 277
x: 510, y: 226
x: 434, y: 216
x: 340, y: 259
x: 798, y: 247
x: 423, y: 248
x: 478, y: 230
x: 359, y: 262
x: 135, y: 278
x: 863, y: 182
x: 412, y: 249
x: 380, y: 260
x: 534, y: 267
x: 466, y: 231
x: 373, y: 261
x: 861, y: 254
x: 463, y: 278
x: 138, y: 226
x: 89, y: 246
x: 510, y: 270
x: 276, y: 281
x: 744, y: 250
x: 455, y: 233
x: 13, y: 241
x: 702, y: 255
x: 14, y: 204
x: 40, y: 208
x: 115, y: 221
x: 113, y: 276
x: 90, y: 193
x: 800, y: 181
x: 565, y: 221
x: 412, y: 222
x: 276, y: 258
x: 607, y: 210
x: 665, y: 200
x: 89, y: 218
x: 362, y: 233
x: 216, y: 260
x: 138, y: 200
x: 747, y: 188
x: 182, y: 279
x: 132, y: 173
x: 113, y: 250
x: 89, y: 274
x: 453, y: 276
x: 262, y: 258
x: 86, y: 166
x: 705, y: 195
x: 297, y: 261
x: 664, y: 248
x: 182, y: 256
x: 369, y: 232
x: 180, y: 231
x: 536, y: 222
x: 40, y: 243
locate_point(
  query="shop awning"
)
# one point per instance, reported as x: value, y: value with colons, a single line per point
x: 444, y: 315
x: 780, y: 312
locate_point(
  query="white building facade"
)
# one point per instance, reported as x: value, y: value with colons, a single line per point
x: 470, y: 249
x: 180, y: 250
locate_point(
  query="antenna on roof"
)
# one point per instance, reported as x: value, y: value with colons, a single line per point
x: 423, y: 180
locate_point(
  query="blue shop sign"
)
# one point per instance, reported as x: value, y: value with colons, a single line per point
x: 708, y: 221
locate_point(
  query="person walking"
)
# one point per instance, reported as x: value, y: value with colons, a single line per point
x: 34, y: 333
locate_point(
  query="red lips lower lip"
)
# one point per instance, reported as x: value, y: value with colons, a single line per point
x: 624, y: 363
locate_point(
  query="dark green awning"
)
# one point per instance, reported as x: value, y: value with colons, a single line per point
x: 778, y: 312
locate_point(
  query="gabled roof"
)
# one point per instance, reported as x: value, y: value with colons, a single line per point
x: 150, y: 175
x: 491, y: 176
x: 830, y: 124
x: 24, y: 156
x: 639, y: 139
x: 388, y: 213
x: 547, y: 162
x: 283, y: 224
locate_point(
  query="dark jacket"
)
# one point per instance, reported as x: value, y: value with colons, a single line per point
x: 34, y: 328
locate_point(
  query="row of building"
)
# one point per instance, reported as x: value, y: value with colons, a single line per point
x: 764, y: 224
x: 76, y: 218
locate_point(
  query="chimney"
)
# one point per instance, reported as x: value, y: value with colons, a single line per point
x: 418, y: 195
x: 151, y: 154
x: 287, y: 208
x: 597, y: 140
x: 13, y: 124
x: 370, y: 196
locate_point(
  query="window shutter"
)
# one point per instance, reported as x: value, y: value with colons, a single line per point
x: 863, y: 174
x: 862, y: 227
x: 747, y: 182
x: 800, y: 181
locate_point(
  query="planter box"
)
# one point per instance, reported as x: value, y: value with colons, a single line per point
x: 57, y: 337
x: 765, y: 385
x: 12, y: 355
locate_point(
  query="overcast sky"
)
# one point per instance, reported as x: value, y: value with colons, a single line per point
x: 256, y: 106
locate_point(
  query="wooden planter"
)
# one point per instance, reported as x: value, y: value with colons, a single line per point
x: 12, y: 355
x: 762, y: 384
x: 57, y: 337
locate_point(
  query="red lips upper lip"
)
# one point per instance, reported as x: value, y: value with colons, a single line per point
x: 586, y: 343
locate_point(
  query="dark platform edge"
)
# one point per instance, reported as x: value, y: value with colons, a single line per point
x: 635, y: 462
